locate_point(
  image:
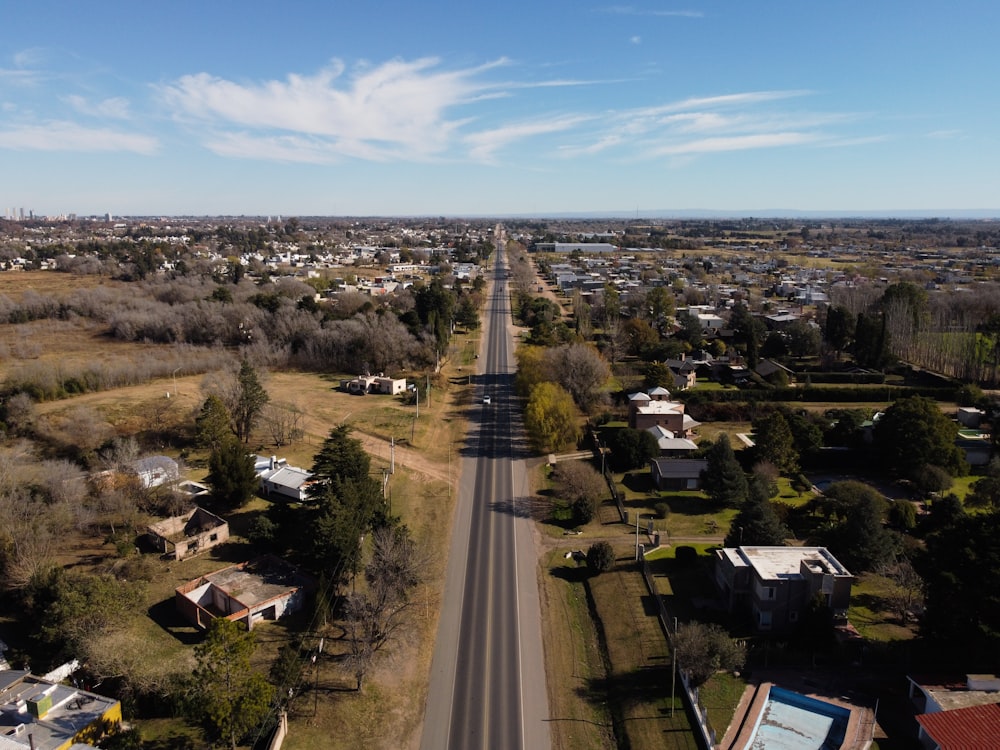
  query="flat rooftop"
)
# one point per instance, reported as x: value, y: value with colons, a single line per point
x: 72, y: 710
x: 785, y: 562
x: 257, y: 582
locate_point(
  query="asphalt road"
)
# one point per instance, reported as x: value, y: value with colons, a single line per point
x: 487, y: 687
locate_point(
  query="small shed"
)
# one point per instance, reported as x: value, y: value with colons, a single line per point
x: 677, y: 473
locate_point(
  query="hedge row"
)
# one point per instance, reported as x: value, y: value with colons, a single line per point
x: 854, y: 378
x: 816, y: 393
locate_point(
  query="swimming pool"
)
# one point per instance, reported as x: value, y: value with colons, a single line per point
x: 792, y: 721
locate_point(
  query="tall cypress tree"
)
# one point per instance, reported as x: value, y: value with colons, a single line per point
x: 724, y: 480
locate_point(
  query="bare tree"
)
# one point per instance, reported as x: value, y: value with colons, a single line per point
x: 283, y: 422
x: 906, y: 593
x: 374, y: 616
x: 582, y: 371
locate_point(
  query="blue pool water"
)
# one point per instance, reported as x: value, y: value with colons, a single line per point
x: 791, y: 721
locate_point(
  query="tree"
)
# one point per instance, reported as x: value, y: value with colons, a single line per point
x: 283, y: 422
x: 467, y: 315
x: 914, y: 433
x: 550, y: 418
x: 691, y: 329
x: 212, y: 425
x: 871, y: 341
x: 702, y: 650
x: 20, y: 413
x: 724, y: 481
x: 803, y: 339
x: 340, y: 458
x: 639, y: 336
x: 858, y: 535
x: 582, y: 487
x: 600, y: 557
x: 757, y: 524
x: 747, y: 332
x: 233, y: 698
x: 773, y: 441
x: 839, y: 328
x: 581, y: 370
x: 249, y: 399
x: 906, y: 589
x: 632, y: 449
x: 660, y: 307
x: 375, y: 615
x: 532, y: 369
x: 231, y: 475
x: 961, y: 567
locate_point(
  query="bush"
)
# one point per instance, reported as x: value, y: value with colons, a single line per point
x: 662, y: 510
x: 600, y: 557
x: 801, y: 483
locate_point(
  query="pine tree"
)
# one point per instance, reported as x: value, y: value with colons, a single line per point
x: 724, y: 480
x: 233, y: 698
x: 251, y: 397
x: 231, y: 475
x: 757, y: 524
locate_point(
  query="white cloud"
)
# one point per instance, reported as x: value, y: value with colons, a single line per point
x: 69, y: 136
x: 736, y: 143
x: 635, y: 40
x: 114, y: 108
x: 483, y: 145
x: 397, y: 107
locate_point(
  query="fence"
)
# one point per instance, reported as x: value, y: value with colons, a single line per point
x: 279, y: 732
x: 600, y: 456
x: 704, y: 729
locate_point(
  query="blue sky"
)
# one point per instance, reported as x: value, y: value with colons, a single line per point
x: 543, y: 107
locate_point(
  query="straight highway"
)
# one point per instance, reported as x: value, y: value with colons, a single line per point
x: 487, y: 686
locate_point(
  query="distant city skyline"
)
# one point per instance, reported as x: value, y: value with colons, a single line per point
x: 557, y: 108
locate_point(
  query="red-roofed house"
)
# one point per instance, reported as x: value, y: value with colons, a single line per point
x: 972, y: 728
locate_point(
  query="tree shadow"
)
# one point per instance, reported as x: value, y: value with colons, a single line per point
x: 165, y: 615
x: 576, y: 573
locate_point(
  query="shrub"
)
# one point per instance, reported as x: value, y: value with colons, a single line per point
x: 600, y: 557
x: 662, y: 510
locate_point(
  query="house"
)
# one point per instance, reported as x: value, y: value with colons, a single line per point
x: 279, y: 480
x: 154, y: 471
x: 669, y: 444
x: 677, y: 473
x: 775, y: 585
x: 961, y: 729
x: 767, y: 367
x: 931, y: 695
x: 364, y: 384
x: 970, y: 416
x: 188, y: 534
x: 262, y: 589
x: 654, y: 408
x: 41, y: 714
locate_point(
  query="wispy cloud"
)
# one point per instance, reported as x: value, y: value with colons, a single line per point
x: 635, y: 40
x: 736, y: 143
x: 396, y: 110
x: 398, y: 107
x: 69, y: 136
x: 114, y: 108
x: 696, y: 126
x: 483, y: 145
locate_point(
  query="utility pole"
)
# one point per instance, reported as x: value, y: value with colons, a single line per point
x: 673, y: 670
x: 392, y: 455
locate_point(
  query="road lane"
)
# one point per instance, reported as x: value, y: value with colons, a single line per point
x: 490, y: 619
